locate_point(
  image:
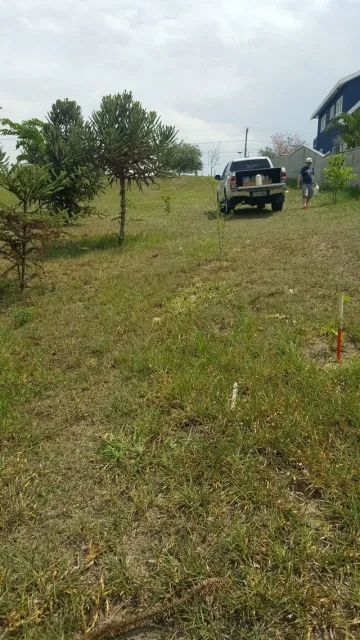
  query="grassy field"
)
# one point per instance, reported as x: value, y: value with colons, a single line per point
x: 126, y: 477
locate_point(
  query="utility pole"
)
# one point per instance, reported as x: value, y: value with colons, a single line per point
x: 246, y: 139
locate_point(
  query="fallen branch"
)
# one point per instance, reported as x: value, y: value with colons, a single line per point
x: 114, y: 626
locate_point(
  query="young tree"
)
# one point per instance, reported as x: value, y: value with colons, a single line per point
x: 214, y: 157
x: 337, y: 175
x: 3, y: 158
x: 26, y: 225
x: 284, y: 143
x: 132, y: 145
x: 348, y: 126
x: 30, y: 138
x: 187, y: 158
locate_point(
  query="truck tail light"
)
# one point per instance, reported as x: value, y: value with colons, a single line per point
x: 283, y: 175
x: 233, y: 185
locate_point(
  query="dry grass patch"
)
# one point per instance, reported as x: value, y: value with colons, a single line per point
x: 126, y: 478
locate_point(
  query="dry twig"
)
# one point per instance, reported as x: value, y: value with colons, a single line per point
x: 114, y: 626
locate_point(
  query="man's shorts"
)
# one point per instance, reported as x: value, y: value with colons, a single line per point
x: 308, y: 191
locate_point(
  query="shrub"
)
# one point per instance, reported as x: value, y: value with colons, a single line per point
x: 337, y: 175
x: 27, y: 225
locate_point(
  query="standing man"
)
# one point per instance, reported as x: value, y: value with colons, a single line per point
x: 307, y: 179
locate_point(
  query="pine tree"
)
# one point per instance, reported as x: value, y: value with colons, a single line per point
x: 68, y: 143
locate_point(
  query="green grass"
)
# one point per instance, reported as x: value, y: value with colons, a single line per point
x: 126, y: 477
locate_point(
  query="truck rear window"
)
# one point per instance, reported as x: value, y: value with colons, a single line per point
x: 250, y: 165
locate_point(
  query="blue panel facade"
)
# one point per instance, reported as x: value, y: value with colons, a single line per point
x: 351, y: 95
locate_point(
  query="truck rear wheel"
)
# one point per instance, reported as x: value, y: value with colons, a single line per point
x: 260, y: 206
x: 277, y: 206
x: 228, y: 207
x: 221, y: 205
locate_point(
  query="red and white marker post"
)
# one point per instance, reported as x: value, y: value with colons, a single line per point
x: 340, y: 323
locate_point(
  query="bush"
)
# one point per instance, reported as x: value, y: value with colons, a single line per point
x: 26, y: 225
x: 22, y: 315
x: 337, y: 175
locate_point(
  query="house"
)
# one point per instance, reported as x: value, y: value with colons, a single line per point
x: 343, y: 97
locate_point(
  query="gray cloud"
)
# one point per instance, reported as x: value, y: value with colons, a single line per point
x: 211, y: 68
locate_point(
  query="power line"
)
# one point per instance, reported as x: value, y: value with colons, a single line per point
x: 217, y: 142
x: 308, y: 132
x: 241, y: 140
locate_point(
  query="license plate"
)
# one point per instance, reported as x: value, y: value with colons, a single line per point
x: 258, y: 193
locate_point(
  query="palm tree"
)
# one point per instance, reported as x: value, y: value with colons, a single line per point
x: 348, y: 126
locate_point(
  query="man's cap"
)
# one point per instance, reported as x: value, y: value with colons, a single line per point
x: 308, y: 160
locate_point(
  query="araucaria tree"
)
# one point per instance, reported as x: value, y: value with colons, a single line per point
x: 68, y: 150
x: 132, y: 145
x: 26, y: 224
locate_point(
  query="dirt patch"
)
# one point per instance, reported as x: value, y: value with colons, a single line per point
x: 138, y: 545
x: 324, y: 353
x: 350, y: 633
x: 312, y: 513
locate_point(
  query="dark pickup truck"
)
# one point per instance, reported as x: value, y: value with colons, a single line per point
x: 251, y: 181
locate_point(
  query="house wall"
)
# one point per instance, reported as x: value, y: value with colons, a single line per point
x: 295, y: 160
x: 351, y: 95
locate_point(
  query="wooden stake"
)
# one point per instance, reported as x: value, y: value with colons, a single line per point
x: 234, y: 395
x: 340, y: 321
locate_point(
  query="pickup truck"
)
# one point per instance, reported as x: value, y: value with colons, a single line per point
x: 251, y: 181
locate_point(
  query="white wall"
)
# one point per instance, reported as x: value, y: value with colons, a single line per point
x: 295, y: 160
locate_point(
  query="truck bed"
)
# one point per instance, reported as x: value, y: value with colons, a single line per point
x: 248, y: 178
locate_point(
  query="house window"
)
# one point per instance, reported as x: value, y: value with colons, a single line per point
x: 323, y: 123
x: 332, y: 112
x: 339, y: 106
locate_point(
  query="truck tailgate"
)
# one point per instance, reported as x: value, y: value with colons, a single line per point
x: 248, y: 178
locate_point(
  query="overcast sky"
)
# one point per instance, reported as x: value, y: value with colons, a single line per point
x: 211, y: 67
